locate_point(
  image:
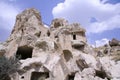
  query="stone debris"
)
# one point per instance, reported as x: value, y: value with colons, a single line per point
x: 59, y: 51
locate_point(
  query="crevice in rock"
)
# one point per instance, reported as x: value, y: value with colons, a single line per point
x: 48, y: 33
x: 82, y: 64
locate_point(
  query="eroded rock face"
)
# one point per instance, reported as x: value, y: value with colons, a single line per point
x: 59, y: 22
x: 60, y: 52
x: 114, y: 42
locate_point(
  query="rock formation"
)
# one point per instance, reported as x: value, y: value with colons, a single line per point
x: 114, y: 42
x: 60, y: 52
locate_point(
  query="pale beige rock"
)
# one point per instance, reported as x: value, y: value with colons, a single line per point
x: 60, y: 52
x: 111, y: 68
x: 51, y: 62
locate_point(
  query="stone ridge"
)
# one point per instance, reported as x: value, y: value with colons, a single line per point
x: 60, y: 52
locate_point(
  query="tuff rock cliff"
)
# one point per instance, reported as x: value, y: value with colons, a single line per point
x: 60, y: 52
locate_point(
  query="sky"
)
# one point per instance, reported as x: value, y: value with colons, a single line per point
x: 100, y: 18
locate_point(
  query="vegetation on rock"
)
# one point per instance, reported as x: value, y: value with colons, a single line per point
x: 8, y: 67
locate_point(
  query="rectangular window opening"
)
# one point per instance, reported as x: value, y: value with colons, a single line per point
x: 74, y: 37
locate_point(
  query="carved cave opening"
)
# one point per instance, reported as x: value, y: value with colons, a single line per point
x: 22, y: 77
x: 39, y: 75
x: 70, y: 77
x: 74, y: 37
x: 101, y: 74
x: 67, y: 55
x: 24, y: 52
x: 79, y: 47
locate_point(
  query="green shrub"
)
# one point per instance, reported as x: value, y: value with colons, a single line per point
x: 8, y: 67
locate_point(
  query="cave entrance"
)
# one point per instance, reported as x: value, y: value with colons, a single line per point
x: 24, y: 52
x: 67, y: 55
x: 74, y: 37
x: 101, y: 74
x: 48, y: 33
x: 39, y: 75
x: 71, y: 77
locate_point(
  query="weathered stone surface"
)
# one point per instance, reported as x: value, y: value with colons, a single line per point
x: 60, y: 52
x: 59, y: 22
x: 114, y: 42
x: 111, y: 68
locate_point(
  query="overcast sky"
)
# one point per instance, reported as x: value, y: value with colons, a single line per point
x: 101, y: 18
